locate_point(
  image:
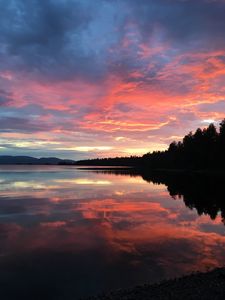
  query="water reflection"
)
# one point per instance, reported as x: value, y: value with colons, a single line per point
x: 67, y: 233
x: 203, y: 192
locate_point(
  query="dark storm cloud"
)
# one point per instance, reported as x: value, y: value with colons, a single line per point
x: 45, y: 36
x: 182, y: 21
x: 108, y: 72
x: 5, y: 98
x: 64, y: 39
x: 14, y: 124
x: 168, y: 29
x: 4, y: 101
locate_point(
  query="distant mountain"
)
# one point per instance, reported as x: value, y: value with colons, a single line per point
x: 28, y: 160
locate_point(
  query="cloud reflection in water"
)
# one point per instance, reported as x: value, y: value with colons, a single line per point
x: 79, y: 233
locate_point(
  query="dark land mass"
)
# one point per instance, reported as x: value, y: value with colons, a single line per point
x: 203, y: 150
x: 27, y: 160
x: 202, y: 191
x: 204, y: 286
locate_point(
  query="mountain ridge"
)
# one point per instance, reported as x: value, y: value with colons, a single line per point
x: 29, y: 160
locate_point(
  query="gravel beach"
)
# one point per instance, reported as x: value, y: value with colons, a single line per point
x: 201, y: 286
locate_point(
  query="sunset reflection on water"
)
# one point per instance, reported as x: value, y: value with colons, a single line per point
x: 75, y: 232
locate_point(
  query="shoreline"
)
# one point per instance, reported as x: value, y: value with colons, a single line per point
x: 205, y: 286
x: 138, y: 168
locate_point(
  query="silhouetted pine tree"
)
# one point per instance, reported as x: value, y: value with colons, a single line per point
x: 205, y: 149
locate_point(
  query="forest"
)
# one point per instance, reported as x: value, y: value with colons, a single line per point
x: 202, y: 150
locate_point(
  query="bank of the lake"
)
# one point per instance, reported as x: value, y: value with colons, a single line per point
x: 205, y: 286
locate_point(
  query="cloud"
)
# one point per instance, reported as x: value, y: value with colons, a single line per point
x: 181, y: 21
x: 46, y: 37
x: 85, y: 73
x: 212, y: 107
x: 13, y: 124
x: 67, y: 39
x: 5, y: 98
x: 4, y: 101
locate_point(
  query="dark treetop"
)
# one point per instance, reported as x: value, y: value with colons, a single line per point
x: 202, y: 150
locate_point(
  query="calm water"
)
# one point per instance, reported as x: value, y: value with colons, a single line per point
x: 67, y: 233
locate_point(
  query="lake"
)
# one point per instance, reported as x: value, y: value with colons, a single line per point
x: 67, y: 233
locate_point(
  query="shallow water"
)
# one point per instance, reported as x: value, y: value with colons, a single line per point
x: 67, y: 233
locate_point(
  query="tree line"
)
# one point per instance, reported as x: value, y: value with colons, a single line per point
x: 203, y: 192
x: 201, y: 150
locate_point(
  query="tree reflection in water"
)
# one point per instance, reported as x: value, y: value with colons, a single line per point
x: 200, y: 191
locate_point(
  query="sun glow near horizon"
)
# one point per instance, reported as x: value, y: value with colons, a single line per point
x: 112, y: 78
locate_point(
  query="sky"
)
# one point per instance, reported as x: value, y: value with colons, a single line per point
x: 82, y: 78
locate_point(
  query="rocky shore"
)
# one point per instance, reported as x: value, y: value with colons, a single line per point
x: 201, y: 286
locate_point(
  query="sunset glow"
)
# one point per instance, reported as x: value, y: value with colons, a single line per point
x: 83, y: 79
